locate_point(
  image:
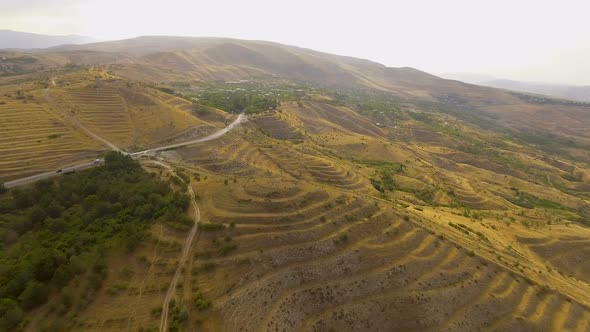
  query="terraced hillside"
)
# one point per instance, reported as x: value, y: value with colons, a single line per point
x: 128, y: 116
x: 294, y: 236
x: 396, y: 204
x: 317, y: 259
x: 35, y: 138
x: 46, y: 123
x: 102, y: 110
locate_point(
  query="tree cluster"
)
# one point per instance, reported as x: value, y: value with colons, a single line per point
x: 57, y: 230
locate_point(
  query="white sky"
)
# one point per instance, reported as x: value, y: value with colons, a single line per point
x: 518, y: 39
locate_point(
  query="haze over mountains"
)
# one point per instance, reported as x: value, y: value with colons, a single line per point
x: 24, y: 40
x: 144, y: 46
x: 180, y: 59
x: 572, y: 92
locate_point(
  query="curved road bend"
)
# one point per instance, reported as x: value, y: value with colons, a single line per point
x: 19, y: 182
x: 241, y: 118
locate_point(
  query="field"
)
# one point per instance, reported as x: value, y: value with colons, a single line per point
x: 36, y: 138
x: 45, y: 123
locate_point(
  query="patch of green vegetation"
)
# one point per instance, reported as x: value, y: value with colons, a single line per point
x: 392, y: 167
x: 531, y: 201
x: 489, y: 150
x: 341, y: 239
x: 183, y: 176
x: 178, y: 319
x: 182, y: 223
x: 57, y: 230
x: 572, y: 177
x: 237, y: 101
x: 201, y: 302
x: 547, y: 141
x: 426, y: 195
x: 383, y: 180
x: 211, y: 226
x: 228, y: 247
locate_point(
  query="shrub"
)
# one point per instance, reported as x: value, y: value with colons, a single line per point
x: 179, y: 318
x: 228, y: 247
x: 211, y: 226
x: 34, y: 295
x: 201, y: 302
x: 156, y: 312
x: 342, y: 238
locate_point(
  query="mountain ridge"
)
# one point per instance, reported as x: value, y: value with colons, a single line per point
x: 10, y: 39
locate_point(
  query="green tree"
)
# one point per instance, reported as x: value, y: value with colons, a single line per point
x: 34, y: 295
x: 10, y: 314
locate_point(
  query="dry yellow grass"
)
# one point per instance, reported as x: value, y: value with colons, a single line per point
x: 34, y: 138
x: 309, y: 244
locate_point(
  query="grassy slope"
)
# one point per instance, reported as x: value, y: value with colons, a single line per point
x: 481, y: 213
x: 39, y: 135
x: 309, y: 243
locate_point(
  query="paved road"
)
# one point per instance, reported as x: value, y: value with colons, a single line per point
x: 20, y: 182
x: 185, y: 251
x: 241, y: 118
x: 31, y: 179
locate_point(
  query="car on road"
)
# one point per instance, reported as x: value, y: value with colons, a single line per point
x: 59, y: 171
x: 97, y: 161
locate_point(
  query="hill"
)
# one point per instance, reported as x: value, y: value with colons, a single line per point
x: 356, y: 196
x: 185, y: 59
x: 24, y: 40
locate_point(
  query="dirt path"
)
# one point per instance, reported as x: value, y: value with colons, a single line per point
x: 185, y: 251
x: 77, y: 123
x: 147, y: 275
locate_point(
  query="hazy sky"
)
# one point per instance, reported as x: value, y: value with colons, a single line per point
x: 534, y: 40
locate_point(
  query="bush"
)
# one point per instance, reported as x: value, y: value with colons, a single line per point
x: 34, y: 295
x: 201, y: 302
x: 179, y: 318
x: 341, y: 239
x: 211, y: 226
x: 10, y: 314
x: 228, y: 247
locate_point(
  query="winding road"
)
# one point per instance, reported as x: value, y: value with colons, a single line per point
x: 27, y: 180
x: 241, y: 118
x: 191, y: 235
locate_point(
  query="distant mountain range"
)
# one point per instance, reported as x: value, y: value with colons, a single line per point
x: 24, y: 40
x: 571, y: 92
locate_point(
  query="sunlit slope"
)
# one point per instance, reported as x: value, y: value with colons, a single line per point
x: 296, y: 235
x: 36, y: 138
x: 175, y: 59
x: 312, y: 258
x: 46, y: 119
x: 126, y: 115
